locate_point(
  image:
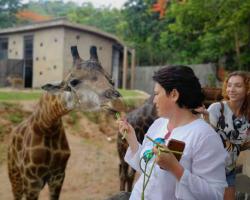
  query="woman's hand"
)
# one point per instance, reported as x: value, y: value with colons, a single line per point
x: 129, y: 133
x: 168, y: 161
x: 203, y: 112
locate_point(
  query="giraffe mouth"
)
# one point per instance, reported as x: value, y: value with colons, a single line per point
x: 109, y: 109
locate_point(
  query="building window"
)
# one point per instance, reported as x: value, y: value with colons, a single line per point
x: 3, y: 48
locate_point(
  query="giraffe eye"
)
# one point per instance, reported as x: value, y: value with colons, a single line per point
x: 74, y: 82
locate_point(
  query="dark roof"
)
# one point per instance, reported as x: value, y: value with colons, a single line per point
x: 60, y: 22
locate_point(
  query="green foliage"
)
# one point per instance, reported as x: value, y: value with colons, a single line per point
x: 52, y: 8
x: 143, y: 31
x: 105, y: 18
x: 212, y: 80
x: 190, y: 33
x: 8, y: 9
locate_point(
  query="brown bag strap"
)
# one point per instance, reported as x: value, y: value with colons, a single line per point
x: 222, y: 108
x: 221, y: 122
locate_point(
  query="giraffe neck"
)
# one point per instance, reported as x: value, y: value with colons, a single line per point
x: 50, y: 109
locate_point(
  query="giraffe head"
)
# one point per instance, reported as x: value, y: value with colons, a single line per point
x: 87, y: 87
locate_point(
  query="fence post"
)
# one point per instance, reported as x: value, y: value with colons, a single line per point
x: 125, y: 67
x: 132, y: 83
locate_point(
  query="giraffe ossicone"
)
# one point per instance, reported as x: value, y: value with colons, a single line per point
x: 39, y: 150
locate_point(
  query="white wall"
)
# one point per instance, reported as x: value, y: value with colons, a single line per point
x: 83, y: 43
x: 15, y: 46
x: 48, y: 56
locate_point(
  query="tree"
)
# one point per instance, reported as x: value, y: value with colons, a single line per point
x: 206, y: 31
x: 143, y: 29
x: 8, y: 10
x: 52, y: 8
x: 104, y: 18
x: 191, y: 32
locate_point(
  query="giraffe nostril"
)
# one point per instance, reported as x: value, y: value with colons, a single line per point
x: 112, y: 94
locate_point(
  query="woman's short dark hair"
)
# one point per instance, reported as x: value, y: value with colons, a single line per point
x: 183, y: 79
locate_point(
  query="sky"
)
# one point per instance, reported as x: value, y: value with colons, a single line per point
x: 97, y: 3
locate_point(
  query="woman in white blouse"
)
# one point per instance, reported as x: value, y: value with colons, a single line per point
x: 231, y: 120
x: 200, y: 173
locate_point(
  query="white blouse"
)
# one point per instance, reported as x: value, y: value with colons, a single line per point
x: 233, y: 135
x: 203, y: 161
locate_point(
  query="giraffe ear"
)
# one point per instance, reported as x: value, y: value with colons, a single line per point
x: 53, y: 88
x: 76, y: 58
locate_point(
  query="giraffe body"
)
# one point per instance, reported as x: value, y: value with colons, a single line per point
x: 141, y: 119
x: 39, y: 150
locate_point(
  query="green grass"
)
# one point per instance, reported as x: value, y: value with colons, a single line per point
x: 16, y: 118
x: 2, y: 132
x: 92, y: 116
x: 33, y: 95
x: 17, y: 96
x: 129, y: 93
x: 131, y: 98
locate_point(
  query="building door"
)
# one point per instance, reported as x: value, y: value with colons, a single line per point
x: 28, y: 61
x: 3, y: 48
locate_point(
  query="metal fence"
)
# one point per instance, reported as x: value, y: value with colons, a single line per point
x: 10, y: 68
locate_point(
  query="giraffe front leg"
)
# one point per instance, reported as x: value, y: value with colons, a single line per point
x: 32, y: 188
x: 131, y: 177
x: 32, y: 195
x: 55, y: 185
x: 123, y: 175
x: 17, y: 186
x: 16, y: 181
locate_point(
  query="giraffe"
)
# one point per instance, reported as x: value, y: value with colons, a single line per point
x: 141, y: 119
x: 39, y: 150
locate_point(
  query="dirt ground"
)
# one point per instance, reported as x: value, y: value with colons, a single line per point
x: 92, y: 171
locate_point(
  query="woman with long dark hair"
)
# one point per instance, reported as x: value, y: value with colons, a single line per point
x: 230, y: 118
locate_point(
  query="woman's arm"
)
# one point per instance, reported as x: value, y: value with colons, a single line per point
x: 214, y: 114
x: 132, y: 156
x: 206, y: 180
